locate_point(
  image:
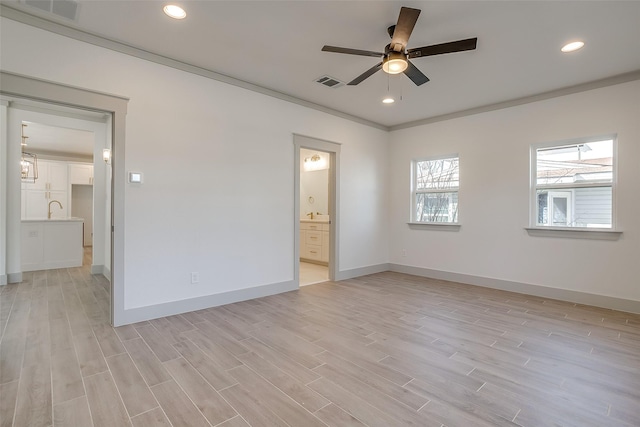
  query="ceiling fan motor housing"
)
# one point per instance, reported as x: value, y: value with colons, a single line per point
x: 395, y: 62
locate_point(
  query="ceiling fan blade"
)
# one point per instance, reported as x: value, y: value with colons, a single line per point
x: 348, y: 51
x: 406, y: 21
x: 371, y: 71
x: 415, y: 75
x: 439, y: 49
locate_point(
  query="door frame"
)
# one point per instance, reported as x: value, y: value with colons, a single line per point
x: 31, y: 88
x: 333, y: 149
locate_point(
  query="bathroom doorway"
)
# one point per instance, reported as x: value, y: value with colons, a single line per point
x: 315, y: 221
x: 316, y: 201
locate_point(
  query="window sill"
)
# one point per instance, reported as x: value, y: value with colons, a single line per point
x: 442, y: 226
x: 574, y: 233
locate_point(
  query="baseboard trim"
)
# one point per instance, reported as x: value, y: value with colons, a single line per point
x: 362, y: 271
x: 14, y: 277
x: 140, y: 314
x: 106, y: 272
x: 630, y: 306
x: 3, y: 279
x: 101, y: 269
x: 51, y: 265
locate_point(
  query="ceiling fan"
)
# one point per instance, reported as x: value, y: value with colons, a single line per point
x: 395, y: 59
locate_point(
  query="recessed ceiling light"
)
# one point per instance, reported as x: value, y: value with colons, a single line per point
x: 174, y: 11
x: 388, y: 100
x: 573, y: 46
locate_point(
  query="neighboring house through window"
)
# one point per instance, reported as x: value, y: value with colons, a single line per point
x: 435, y: 190
x: 573, y: 183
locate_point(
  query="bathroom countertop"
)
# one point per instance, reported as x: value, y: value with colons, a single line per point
x: 316, y: 221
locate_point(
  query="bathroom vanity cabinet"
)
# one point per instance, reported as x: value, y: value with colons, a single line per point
x: 314, y: 241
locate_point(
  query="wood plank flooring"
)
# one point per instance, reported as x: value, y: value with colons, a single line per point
x: 382, y: 350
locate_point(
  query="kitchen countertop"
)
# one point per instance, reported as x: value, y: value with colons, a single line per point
x: 71, y: 218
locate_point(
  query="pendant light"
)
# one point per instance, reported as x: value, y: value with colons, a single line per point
x: 28, y: 161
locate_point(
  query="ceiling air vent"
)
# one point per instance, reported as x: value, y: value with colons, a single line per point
x: 329, y: 82
x: 64, y: 8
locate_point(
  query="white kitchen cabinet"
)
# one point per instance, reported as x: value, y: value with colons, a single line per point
x: 58, y: 177
x: 314, y: 242
x: 52, y: 184
x: 80, y: 174
x: 36, y: 204
x: 48, y: 244
x: 52, y: 175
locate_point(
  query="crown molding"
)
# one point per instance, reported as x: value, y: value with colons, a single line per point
x: 16, y: 12
x: 583, y: 87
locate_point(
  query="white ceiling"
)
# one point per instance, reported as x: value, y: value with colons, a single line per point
x: 57, y: 140
x: 277, y: 45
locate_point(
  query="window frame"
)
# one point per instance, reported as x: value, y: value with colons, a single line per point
x: 534, y: 187
x: 414, y: 191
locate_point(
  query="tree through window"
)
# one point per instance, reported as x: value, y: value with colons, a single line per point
x: 435, y: 185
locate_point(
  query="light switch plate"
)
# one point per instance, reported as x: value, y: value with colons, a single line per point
x: 135, y: 177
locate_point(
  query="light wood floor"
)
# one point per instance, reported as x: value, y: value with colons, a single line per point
x: 311, y: 274
x: 382, y: 350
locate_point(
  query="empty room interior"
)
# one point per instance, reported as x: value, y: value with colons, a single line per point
x: 314, y: 213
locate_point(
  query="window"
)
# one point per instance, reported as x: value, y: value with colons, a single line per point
x: 573, y: 183
x: 435, y: 190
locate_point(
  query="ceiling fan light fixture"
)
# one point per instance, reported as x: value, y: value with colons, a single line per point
x: 395, y: 63
x: 174, y: 11
x: 572, y: 47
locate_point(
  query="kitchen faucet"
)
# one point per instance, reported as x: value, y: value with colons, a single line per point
x: 53, y: 201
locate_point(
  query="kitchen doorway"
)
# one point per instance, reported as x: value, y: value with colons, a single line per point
x: 51, y: 95
x: 73, y: 183
x: 61, y: 217
x: 316, y: 202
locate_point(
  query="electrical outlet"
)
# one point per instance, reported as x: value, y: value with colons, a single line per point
x: 404, y: 252
x: 195, y: 277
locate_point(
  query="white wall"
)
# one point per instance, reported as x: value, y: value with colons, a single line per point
x: 217, y: 160
x: 494, y: 195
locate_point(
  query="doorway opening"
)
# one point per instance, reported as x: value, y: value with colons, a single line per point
x: 80, y: 102
x: 316, y: 201
x: 61, y: 214
x: 315, y: 221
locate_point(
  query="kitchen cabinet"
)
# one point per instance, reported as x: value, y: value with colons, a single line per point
x: 52, y: 175
x: 51, y: 243
x: 52, y: 184
x: 36, y: 204
x: 80, y: 174
x: 314, y: 241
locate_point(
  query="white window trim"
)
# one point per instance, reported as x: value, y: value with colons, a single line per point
x: 441, y: 226
x: 534, y: 229
x: 412, y: 213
